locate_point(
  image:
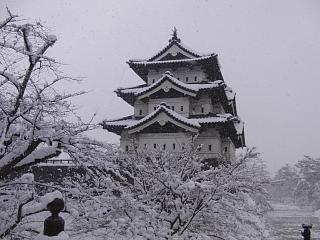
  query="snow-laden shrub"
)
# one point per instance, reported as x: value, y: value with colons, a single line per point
x: 169, y: 196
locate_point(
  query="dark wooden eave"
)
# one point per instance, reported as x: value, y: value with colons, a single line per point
x: 227, y: 129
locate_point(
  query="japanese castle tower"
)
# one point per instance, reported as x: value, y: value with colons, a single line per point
x: 184, y: 99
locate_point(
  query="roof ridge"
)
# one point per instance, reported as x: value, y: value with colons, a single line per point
x: 118, y: 119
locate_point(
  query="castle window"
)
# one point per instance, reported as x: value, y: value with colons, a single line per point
x: 181, y: 108
x: 127, y: 148
x: 187, y: 79
x: 140, y: 112
x: 172, y: 107
x: 210, y: 147
x: 174, y: 146
x: 178, y: 78
x: 154, y: 108
x: 225, y: 149
x: 202, y: 109
x: 145, y: 145
x: 195, y: 78
x: 154, y: 146
x: 153, y: 80
x: 164, y: 146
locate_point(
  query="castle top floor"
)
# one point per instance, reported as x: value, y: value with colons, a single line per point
x: 186, y: 64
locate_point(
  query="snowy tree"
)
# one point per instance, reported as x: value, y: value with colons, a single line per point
x: 308, y: 190
x: 285, y: 183
x: 168, y: 196
x: 36, y: 120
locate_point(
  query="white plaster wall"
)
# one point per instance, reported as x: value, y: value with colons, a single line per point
x: 176, y: 102
x: 218, y: 108
x: 125, y: 140
x: 230, y: 154
x: 196, y: 105
x: 140, y: 105
x: 179, y: 73
x: 209, y: 137
x: 181, y: 140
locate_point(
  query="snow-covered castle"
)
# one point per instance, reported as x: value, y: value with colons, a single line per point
x: 184, y: 99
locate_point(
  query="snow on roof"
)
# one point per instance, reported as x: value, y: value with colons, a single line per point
x: 147, y: 62
x: 239, y: 126
x: 218, y: 118
x: 62, y: 155
x: 175, y: 41
x: 27, y: 178
x: 120, y: 122
x: 118, y: 119
x: 185, y: 47
x: 168, y: 76
x: 163, y: 108
x: 195, y: 122
x: 229, y: 93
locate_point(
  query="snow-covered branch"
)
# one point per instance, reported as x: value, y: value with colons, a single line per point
x: 35, y: 116
x: 9, y: 19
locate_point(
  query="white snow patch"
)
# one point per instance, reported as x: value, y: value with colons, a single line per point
x: 27, y: 178
x: 61, y: 236
x: 317, y: 213
x: 172, y: 61
x: 38, y: 154
x: 49, y: 197
x: 44, y: 201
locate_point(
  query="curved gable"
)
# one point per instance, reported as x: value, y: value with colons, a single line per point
x: 162, y: 116
x: 172, y: 52
x: 166, y: 84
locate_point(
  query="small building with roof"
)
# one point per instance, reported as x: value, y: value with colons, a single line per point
x: 184, y: 100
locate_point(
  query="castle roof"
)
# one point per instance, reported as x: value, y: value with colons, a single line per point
x: 163, y: 108
x: 188, y: 89
x: 177, y: 54
x: 167, y: 82
x: 234, y: 124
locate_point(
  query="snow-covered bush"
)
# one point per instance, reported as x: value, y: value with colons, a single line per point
x: 167, y: 196
x: 284, y: 184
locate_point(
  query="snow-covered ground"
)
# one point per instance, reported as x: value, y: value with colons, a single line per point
x: 286, y: 220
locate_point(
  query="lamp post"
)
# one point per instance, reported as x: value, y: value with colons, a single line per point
x: 306, y: 233
x: 54, y: 224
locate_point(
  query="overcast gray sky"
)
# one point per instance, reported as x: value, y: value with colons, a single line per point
x: 269, y: 53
